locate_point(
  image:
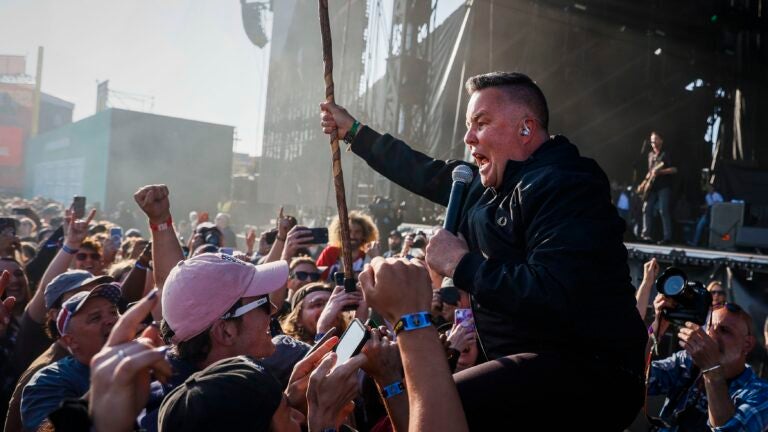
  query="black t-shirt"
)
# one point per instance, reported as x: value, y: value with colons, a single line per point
x: 662, y: 181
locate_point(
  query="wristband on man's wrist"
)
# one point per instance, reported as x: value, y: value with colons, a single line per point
x: 413, y: 321
x: 68, y: 249
x: 161, y: 226
x: 393, y: 389
x: 352, y: 132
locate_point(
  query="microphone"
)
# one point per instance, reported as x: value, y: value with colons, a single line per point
x: 462, y: 176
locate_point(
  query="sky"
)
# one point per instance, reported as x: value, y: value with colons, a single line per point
x: 191, y: 57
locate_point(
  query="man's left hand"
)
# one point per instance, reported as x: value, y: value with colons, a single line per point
x: 444, y: 251
x: 702, y: 348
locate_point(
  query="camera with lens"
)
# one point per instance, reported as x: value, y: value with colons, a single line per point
x: 210, y: 233
x: 419, y: 240
x: 692, y: 299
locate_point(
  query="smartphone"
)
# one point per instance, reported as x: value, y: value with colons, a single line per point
x: 329, y: 334
x: 461, y: 315
x: 116, y: 234
x: 350, y: 286
x: 319, y: 235
x: 78, y: 206
x: 351, y: 342
x: 271, y: 236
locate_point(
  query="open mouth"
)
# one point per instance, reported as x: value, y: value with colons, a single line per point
x: 481, y: 161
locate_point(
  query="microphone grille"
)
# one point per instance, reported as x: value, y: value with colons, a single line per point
x: 462, y: 173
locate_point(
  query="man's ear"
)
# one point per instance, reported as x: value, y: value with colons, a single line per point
x: 749, y: 344
x: 223, y: 332
x: 69, y: 342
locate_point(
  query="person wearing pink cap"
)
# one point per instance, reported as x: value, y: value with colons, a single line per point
x: 220, y: 301
x: 214, y: 307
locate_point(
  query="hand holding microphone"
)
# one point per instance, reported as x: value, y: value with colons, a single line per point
x: 445, y: 249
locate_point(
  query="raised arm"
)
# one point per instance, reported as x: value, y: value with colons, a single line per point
x: 166, y: 250
x: 392, y: 158
x: 395, y: 288
x: 76, y: 230
x: 650, y: 270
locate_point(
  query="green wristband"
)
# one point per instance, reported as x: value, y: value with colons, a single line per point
x: 352, y: 132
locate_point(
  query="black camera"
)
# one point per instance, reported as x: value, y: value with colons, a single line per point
x: 210, y: 233
x: 693, y: 300
x: 419, y: 240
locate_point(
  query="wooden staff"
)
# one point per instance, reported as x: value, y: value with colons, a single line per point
x: 338, y: 175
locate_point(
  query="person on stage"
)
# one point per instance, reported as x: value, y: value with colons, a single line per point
x: 540, y: 252
x: 657, y: 190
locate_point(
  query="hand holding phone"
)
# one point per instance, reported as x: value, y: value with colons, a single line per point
x: 78, y: 206
x: 319, y: 235
x: 116, y: 234
x: 464, y: 316
x: 352, y: 341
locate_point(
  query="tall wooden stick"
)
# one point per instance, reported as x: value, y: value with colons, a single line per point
x: 338, y: 175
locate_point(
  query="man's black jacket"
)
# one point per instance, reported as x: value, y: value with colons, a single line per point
x: 547, y: 268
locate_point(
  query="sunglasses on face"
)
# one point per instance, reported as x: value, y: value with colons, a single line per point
x: 82, y: 256
x: 717, y: 292
x: 302, y: 276
x: 239, y: 309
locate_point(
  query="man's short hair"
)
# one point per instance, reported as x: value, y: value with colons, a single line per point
x: 519, y: 87
x: 301, y: 260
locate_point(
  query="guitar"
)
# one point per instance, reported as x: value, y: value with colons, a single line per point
x: 644, y: 188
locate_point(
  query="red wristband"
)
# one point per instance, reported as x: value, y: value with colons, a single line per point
x: 163, y: 226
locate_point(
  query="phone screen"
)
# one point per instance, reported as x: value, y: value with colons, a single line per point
x: 271, y: 236
x: 78, y: 206
x: 461, y: 315
x: 351, y: 342
x: 116, y: 234
x: 319, y: 235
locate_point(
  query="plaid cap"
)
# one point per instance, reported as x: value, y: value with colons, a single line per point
x: 234, y: 394
x: 110, y: 291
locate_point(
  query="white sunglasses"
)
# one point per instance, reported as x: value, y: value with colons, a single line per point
x: 242, y: 310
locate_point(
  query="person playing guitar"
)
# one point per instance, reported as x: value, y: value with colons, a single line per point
x: 656, y: 190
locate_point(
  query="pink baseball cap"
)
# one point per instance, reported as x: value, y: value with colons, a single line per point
x: 200, y: 290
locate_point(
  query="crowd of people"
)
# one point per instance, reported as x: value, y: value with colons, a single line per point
x: 118, y: 334
x: 170, y: 326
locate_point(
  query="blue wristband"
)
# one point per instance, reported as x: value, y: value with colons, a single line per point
x: 69, y: 250
x: 393, y: 389
x: 413, y: 321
